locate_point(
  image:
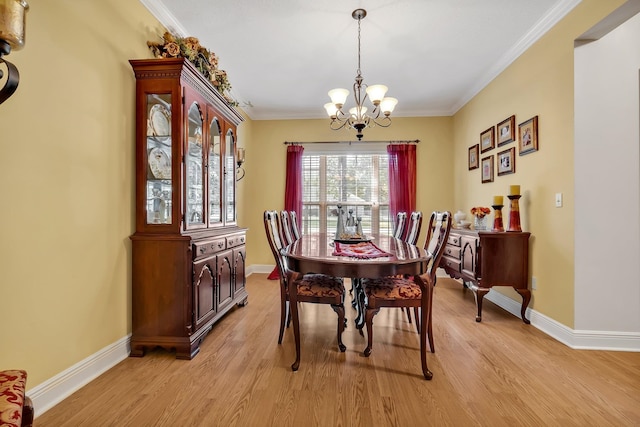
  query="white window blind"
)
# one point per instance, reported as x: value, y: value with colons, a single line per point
x: 358, y: 181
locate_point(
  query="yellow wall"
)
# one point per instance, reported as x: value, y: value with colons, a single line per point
x: 266, y: 159
x: 67, y: 176
x: 539, y: 82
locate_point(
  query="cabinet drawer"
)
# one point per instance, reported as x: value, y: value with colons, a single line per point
x: 450, y: 263
x: 237, y: 240
x: 454, y: 240
x: 452, y: 251
x: 209, y: 247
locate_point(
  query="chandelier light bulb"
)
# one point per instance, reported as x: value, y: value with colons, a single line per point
x: 387, y: 105
x: 331, y: 108
x: 354, y: 111
x: 376, y: 93
x: 338, y: 96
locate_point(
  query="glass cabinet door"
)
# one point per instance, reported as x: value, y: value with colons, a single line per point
x: 159, y: 170
x: 215, y: 173
x: 230, y: 177
x: 194, y: 192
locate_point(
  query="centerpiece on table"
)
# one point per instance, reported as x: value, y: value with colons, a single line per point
x: 480, y: 217
x: 205, y: 61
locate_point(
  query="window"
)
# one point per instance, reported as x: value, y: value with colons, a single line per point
x: 358, y: 182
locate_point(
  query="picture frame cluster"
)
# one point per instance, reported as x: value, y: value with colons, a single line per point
x: 502, y: 134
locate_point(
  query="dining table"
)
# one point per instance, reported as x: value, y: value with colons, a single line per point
x: 370, y: 257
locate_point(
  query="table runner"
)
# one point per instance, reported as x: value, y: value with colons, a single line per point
x: 363, y: 250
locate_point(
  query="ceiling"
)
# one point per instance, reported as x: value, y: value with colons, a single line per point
x: 282, y: 56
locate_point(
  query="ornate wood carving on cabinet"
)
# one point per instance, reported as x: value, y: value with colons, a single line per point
x: 188, y: 251
x: 486, y: 259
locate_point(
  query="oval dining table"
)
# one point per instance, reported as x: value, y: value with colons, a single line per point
x: 315, y: 253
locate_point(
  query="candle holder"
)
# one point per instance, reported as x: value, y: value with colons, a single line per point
x: 497, y: 219
x: 514, y: 215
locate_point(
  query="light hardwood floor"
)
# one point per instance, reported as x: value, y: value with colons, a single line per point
x: 500, y: 372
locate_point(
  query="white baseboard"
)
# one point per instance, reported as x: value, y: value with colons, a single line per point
x: 48, y: 394
x: 577, y: 339
x: 260, y: 268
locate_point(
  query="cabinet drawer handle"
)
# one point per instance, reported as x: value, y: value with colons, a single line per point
x: 220, y: 244
x: 203, y: 250
x: 242, y: 240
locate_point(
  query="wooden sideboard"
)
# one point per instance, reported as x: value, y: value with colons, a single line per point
x: 484, y: 259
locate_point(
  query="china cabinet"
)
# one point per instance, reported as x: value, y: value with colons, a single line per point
x: 188, y: 251
x: 484, y: 259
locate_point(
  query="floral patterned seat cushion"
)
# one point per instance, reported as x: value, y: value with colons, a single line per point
x: 320, y: 285
x: 12, y: 389
x: 392, y: 288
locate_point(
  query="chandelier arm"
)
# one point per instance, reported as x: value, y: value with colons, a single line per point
x: 384, y: 122
x: 337, y: 124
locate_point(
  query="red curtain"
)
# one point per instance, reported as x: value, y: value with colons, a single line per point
x: 292, y: 188
x: 402, y: 178
x: 293, y: 182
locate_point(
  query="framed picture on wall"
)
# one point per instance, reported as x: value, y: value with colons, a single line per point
x: 473, y: 157
x: 507, y: 131
x: 487, y: 169
x: 507, y: 161
x: 487, y: 139
x: 528, y: 136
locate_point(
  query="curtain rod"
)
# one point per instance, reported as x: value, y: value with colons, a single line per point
x: 415, y: 141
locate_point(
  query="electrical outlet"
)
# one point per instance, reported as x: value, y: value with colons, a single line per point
x: 558, y: 200
x: 534, y: 283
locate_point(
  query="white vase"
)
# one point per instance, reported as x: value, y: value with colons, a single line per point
x: 459, y: 216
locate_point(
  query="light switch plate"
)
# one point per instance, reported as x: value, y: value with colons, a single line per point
x: 558, y: 200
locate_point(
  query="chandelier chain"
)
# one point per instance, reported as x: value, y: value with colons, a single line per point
x: 359, y: 72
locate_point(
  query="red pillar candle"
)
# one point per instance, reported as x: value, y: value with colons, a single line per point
x: 497, y: 218
x: 514, y: 214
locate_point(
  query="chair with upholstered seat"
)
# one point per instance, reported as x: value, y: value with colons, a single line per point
x: 315, y: 288
x: 414, y: 291
x: 398, y: 226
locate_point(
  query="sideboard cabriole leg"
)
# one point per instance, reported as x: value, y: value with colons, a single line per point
x: 526, y: 297
x: 479, y: 294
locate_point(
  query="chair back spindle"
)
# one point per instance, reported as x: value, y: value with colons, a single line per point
x: 285, y: 228
x: 398, y: 227
x: 295, y: 227
x: 437, y: 235
x: 415, y: 224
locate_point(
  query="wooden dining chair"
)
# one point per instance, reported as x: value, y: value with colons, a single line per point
x: 314, y: 288
x: 295, y: 227
x: 414, y: 291
x: 398, y: 226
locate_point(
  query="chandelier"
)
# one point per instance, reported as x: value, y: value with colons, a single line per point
x: 358, y: 118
